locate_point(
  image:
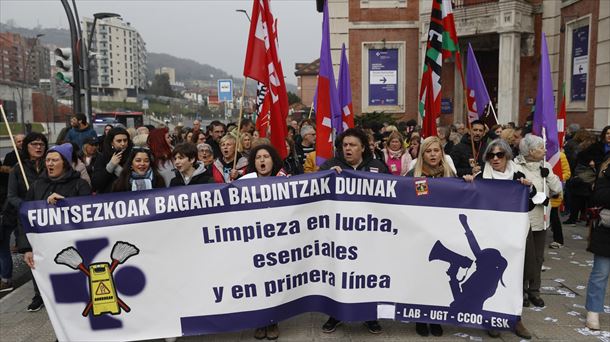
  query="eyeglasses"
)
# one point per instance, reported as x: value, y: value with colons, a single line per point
x: 491, y: 155
x: 37, y: 144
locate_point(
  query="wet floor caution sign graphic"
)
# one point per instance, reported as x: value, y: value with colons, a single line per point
x: 102, y: 289
x: 104, y: 298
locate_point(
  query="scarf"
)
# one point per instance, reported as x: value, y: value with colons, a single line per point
x: 141, y: 182
x: 395, y: 154
x: 490, y: 173
x: 435, y: 172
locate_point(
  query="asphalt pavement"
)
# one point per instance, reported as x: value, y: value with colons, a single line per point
x: 562, y: 319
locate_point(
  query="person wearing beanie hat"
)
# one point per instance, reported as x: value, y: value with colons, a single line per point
x: 58, y: 182
x: 65, y: 150
x: 308, y: 141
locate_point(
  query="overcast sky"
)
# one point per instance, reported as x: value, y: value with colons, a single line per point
x: 207, y: 31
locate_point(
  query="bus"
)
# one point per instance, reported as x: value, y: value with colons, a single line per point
x: 121, y: 119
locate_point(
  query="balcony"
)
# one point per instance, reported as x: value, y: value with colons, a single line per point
x: 466, y: 3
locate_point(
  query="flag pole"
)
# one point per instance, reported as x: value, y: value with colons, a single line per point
x: 10, y: 133
x: 241, y: 113
x: 493, y: 111
x: 467, y: 118
x: 310, y: 110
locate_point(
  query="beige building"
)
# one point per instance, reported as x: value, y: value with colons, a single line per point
x: 121, y: 59
x: 171, y: 74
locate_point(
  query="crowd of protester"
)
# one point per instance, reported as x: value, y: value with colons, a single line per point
x: 81, y: 163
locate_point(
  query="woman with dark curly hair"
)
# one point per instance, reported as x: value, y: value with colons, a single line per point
x: 265, y: 161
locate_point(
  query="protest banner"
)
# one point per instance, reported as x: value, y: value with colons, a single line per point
x: 223, y: 257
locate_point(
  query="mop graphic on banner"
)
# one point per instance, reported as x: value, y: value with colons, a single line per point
x: 103, y: 294
x: 470, y: 294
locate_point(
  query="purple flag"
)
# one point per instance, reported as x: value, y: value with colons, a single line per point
x: 327, y: 72
x: 544, y: 115
x: 345, y: 94
x: 478, y: 97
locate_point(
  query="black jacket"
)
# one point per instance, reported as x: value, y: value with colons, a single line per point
x: 600, y: 236
x: 369, y: 165
x: 69, y: 185
x: 102, y: 180
x: 292, y: 165
x: 595, y: 153
x: 462, y: 152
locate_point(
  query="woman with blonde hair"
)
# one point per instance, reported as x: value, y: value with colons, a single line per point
x: 431, y: 161
x: 395, y: 155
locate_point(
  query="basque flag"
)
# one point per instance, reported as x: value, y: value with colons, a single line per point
x: 328, y: 112
x: 263, y: 64
x: 345, y: 94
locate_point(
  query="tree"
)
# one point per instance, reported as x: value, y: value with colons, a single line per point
x: 293, y: 98
x: 160, y: 86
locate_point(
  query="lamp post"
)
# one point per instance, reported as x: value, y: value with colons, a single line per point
x: 244, y: 12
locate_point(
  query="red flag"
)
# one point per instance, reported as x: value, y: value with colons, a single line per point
x: 263, y: 104
x: 263, y: 64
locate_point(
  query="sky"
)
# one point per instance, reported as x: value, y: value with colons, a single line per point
x: 207, y: 31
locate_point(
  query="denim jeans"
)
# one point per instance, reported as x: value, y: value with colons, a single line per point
x: 598, y: 282
x: 6, y: 260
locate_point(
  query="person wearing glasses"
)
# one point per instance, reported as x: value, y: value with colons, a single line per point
x: 499, y: 165
x: 139, y: 173
x: 32, y: 152
x: 307, y: 144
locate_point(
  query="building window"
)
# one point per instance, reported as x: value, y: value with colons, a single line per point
x: 576, y: 63
x: 383, y: 76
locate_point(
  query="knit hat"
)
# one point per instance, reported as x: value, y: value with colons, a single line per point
x: 307, y: 130
x: 65, y: 150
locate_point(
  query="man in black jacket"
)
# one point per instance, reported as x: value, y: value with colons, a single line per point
x: 355, y: 154
x: 463, y: 159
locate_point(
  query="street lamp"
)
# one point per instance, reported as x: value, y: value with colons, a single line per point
x: 96, y: 17
x: 244, y: 12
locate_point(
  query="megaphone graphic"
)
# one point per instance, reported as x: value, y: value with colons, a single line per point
x: 456, y: 261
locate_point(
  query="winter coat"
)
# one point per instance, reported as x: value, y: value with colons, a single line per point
x: 596, y: 153
x: 600, y: 235
x: 405, y: 161
x: 68, y: 185
x: 218, y: 168
x: 78, y: 136
x: 462, y: 152
x: 293, y: 166
x: 532, y: 171
x: 566, y: 173
x: 102, y: 178
x: 200, y: 176
x: 369, y: 165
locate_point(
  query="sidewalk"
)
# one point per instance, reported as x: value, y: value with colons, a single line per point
x: 564, y: 291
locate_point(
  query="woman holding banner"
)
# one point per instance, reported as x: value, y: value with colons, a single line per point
x: 58, y: 182
x: 34, y: 147
x: 265, y: 161
x: 431, y: 163
x: 499, y: 165
x: 532, y: 164
x: 354, y: 154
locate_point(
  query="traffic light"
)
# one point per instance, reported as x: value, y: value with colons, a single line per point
x: 64, y: 64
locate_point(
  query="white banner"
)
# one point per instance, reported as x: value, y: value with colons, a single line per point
x: 212, y: 258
